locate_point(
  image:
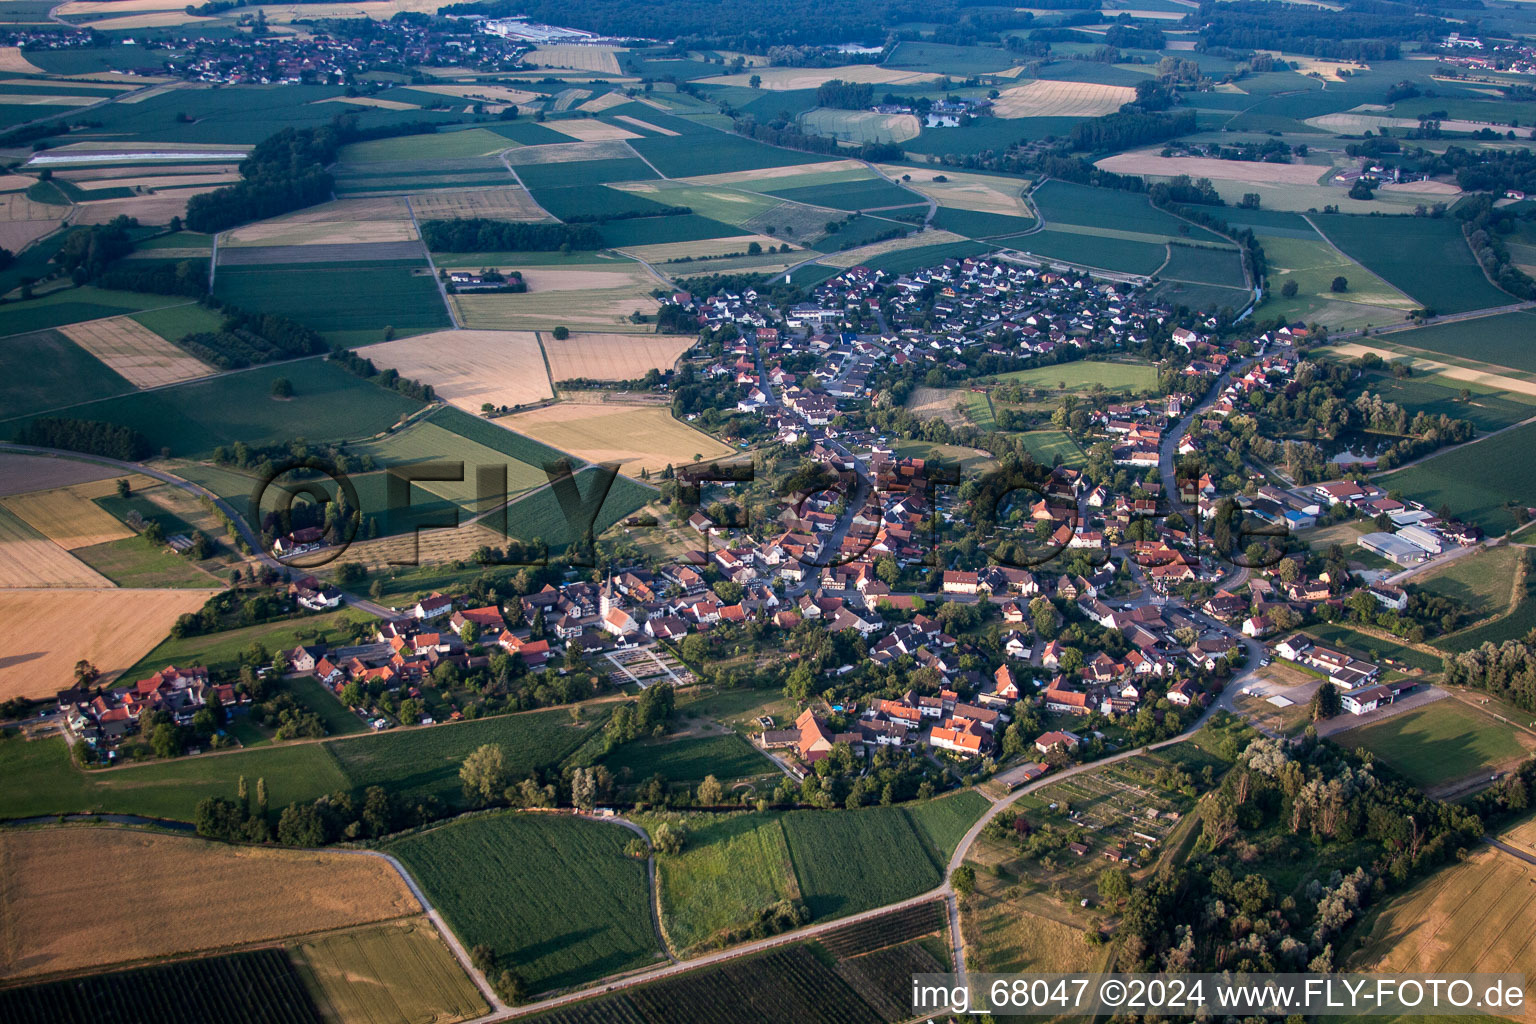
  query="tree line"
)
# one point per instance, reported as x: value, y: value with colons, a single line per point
x: 92, y: 437
x: 477, y: 234
x: 360, y: 367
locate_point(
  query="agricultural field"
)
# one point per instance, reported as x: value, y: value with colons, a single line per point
x: 38, y: 370
x: 602, y: 59
x: 1115, y: 213
x: 638, y: 437
x: 1473, y: 479
x: 471, y: 368
x: 353, y: 303
x: 856, y: 860
x: 510, y: 203
x: 860, y: 126
x: 1484, y: 580
x: 732, y: 866
x: 554, y: 895
x: 425, y: 441
x: 1095, y: 251
x: 689, y: 759
x: 1425, y: 258
x: 1312, y: 264
x: 141, y: 356
x: 23, y: 221
x: 1061, y: 99
x: 1502, y: 340
x: 385, y: 974
x: 588, y: 298
x: 474, y: 142
x: 787, y: 79
x: 343, y: 221
x: 184, y: 895
x: 1202, y: 264
x: 22, y: 474
x: 109, y: 627
x: 69, y: 515
x: 1487, y: 408
x: 29, y: 559
x: 1442, y: 742
x: 712, y: 249
x: 1130, y: 378
x: 1149, y: 163
x: 258, y: 987
x: 1472, y: 915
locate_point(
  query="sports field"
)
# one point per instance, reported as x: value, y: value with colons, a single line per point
x: 29, y: 559
x: 111, y: 628
x: 395, y: 973
x: 61, y: 909
x: 639, y: 437
x: 586, y: 298
x: 1137, y: 378
x: 470, y: 368
x: 613, y: 356
x: 140, y: 355
x: 1441, y: 742
x: 70, y: 517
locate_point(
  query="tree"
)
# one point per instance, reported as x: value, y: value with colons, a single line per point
x: 484, y: 773
x: 282, y: 387
x: 1114, y: 885
x: 1340, y: 284
x: 1325, y: 702
x: 165, y: 740
x: 755, y: 82
x: 261, y: 795
x: 710, y: 791
x: 562, y: 332
x: 670, y: 839
x: 85, y: 673
x: 123, y: 488
x: 300, y: 825
x: 964, y: 880
x: 1289, y: 289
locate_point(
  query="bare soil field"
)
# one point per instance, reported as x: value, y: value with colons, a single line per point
x: 570, y: 152
x: 1061, y: 99
x: 577, y: 56
x: 609, y: 100
x: 110, y: 627
x: 638, y: 436
x: 376, y: 219
x: 69, y: 517
x: 590, y: 131
x: 20, y: 474
x: 477, y: 91
x: 470, y: 368
x: 1147, y: 161
x: 13, y: 62
x: 983, y: 193
x: 853, y: 257
x: 23, y: 221
x: 937, y: 403
x: 633, y: 120
x: 613, y: 356
x: 71, y: 901
x: 134, y: 351
x: 29, y: 559
x: 781, y: 79
x: 510, y: 203
x: 704, y: 247
x: 587, y: 298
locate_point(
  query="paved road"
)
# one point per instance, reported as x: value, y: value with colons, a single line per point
x: 1501, y: 845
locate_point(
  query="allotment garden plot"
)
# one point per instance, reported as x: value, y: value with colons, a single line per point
x: 645, y: 666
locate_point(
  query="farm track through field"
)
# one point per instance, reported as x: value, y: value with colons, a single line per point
x: 442, y: 289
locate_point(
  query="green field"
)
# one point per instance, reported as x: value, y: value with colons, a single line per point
x: 1503, y: 340
x: 868, y: 194
x: 601, y: 201
x: 45, y: 370
x: 424, y: 761
x: 977, y: 224
x: 1438, y: 743
x: 733, y: 866
x: 439, y: 146
x: 1136, y: 378
x: 944, y: 821
x: 1514, y: 626
x: 540, y: 517
x: 1045, y: 445
x: 1482, y: 580
x: 1202, y: 264
x: 1488, y: 408
x: 175, y: 322
x: 1427, y: 258
x: 682, y: 156
x: 1123, y: 255
x: 401, y: 972
x: 1062, y: 202
x: 76, y: 305
x: 191, y: 419
x: 539, y: 176
x: 656, y: 230
x: 688, y: 760
x: 426, y: 441
x: 1474, y: 479
x: 309, y: 692
x: 353, y: 302
x: 554, y: 896
x: 904, y: 261
x: 134, y: 562
x: 1338, y: 634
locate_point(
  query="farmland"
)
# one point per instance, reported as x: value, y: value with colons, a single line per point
x: 509, y: 203
x: 39, y: 370
x: 553, y: 895
x: 860, y: 126
x: 1472, y: 479
x: 1484, y: 581
x: 259, y: 987
x: 425, y: 441
x: 69, y: 516
x: 689, y: 759
x: 848, y: 862
x: 1134, y: 378
x: 29, y: 559
x: 352, y: 302
x: 471, y: 368
x: 380, y: 974
x: 140, y: 355
x: 1441, y: 742
x: 1501, y: 340
x: 184, y: 895
x: 1424, y: 257
x: 1061, y: 99
x: 582, y: 298
x: 732, y: 866
x: 619, y: 357
x: 349, y: 221
x: 638, y: 436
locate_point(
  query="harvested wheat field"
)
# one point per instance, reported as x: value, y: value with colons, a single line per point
x: 23, y: 221
x: 29, y: 559
x: 645, y: 125
x: 510, y: 203
x: 45, y: 100
x: 853, y: 257
x: 470, y: 368
x: 570, y: 152
x: 937, y: 403
x: 160, y: 19
x: 486, y: 93
x: 984, y: 193
x: 134, y: 351
x: 1147, y: 161
x: 609, y: 100
x: 773, y: 173
x: 375, y: 219
x: 637, y: 436
x: 613, y: 356
x: 151, y: 209
x: 583, y: 299
x: 371, y: 101
x: 577, y: 56
x: 661, y: 252
x: 110, y: 627
x: 781, y: 79
x: 13, y: 62
x: 89, y: 896
x: 1475, y: 916
x: 590, y: 130
x: 159, y: 181
x: 1061, y: 99
x: 70, y: 517
x: 429, y: 547
x: 1442, y: 189
x: 20, y: 474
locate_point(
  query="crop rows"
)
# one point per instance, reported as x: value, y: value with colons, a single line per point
x: 883, y: 978
x: 886, y: 930
x: 787, y: 985
x: 259, y: 987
